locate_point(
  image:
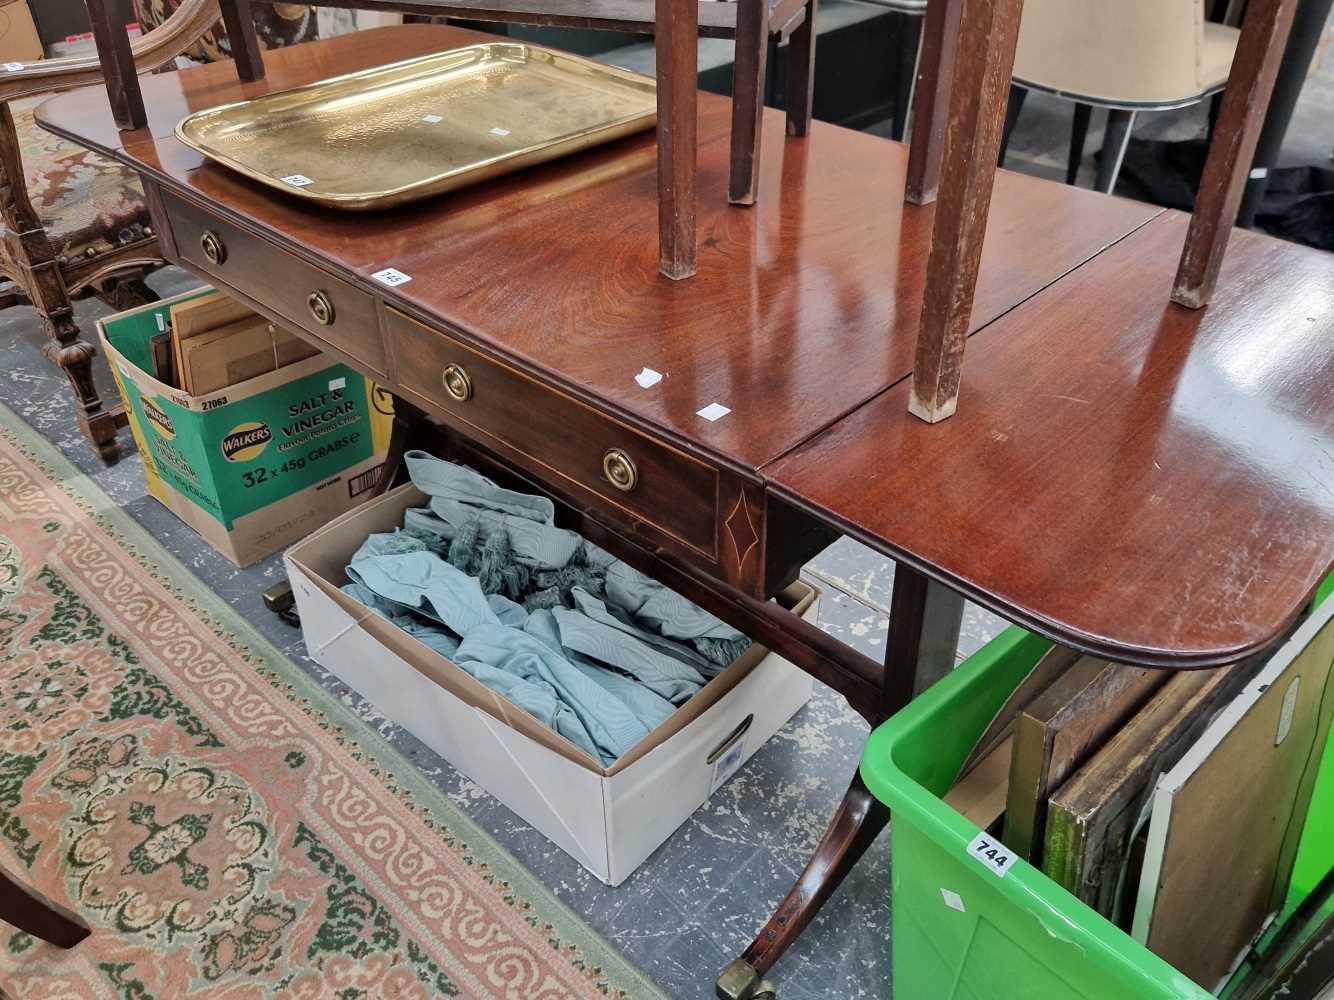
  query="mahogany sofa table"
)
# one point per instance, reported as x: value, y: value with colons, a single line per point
x: 1128, y: 478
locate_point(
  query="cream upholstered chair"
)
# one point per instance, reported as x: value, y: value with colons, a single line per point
x: 1126, y: 56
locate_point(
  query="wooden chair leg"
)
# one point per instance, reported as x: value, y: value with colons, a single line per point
x: 749, y: 72
x: 108, y: 19
x: 34, y: 914
x: 1264, y: 37
x: 1079, y: 130
x: 801, y: 72
x: 930, y: 113
x: 677, y: 46
x: 239, y: 21
x: 988, y: 32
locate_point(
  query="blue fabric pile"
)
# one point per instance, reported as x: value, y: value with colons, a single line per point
x: 572, y: 635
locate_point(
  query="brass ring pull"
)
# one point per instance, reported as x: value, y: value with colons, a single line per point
x: 320, y: 307
x: 458, y: 383
x: 620, y: 470
x: 213, y: 248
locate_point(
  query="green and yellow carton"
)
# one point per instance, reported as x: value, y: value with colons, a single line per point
x: 258, y: 465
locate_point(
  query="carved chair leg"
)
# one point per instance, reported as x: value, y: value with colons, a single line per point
x: 37, y: 271
x: 749, y: 71
x: 74, y: 356
x: 27, y: 910
x: 1264, y: 38
x: 859, y: 820
x: 801, y: 72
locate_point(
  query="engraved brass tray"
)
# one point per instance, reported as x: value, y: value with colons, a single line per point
x: 401, y: 132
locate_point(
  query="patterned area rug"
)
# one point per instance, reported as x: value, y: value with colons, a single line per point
x: 227, y: 828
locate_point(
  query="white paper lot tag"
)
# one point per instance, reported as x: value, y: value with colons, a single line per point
x: 648, y: 378
x: 432, y: 119
x: 992, y: 855
x: 392, y: 277
x: 297, y: 180
x: 714, y: 411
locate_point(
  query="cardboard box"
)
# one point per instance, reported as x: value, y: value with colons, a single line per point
x: 608, y: 819
x: 18, y: 34
x: 257, y: 465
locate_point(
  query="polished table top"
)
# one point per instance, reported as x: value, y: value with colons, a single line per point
x: 802, y: 321
x: 1155, y: 480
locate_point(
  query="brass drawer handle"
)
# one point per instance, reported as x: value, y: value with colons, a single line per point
x: 620, y: 470
x: 214, y: 249
x: 458, y: 383
x: 320, y: 307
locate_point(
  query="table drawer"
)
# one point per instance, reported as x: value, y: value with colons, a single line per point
x: 301, y: 293
x: 651, y: 481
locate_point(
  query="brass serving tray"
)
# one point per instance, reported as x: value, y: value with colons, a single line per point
x: 401, y: 132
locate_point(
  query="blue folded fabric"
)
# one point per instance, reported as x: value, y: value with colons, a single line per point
x: 603, y: 670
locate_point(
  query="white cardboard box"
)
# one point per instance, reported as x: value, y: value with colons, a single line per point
x: 609, y: 819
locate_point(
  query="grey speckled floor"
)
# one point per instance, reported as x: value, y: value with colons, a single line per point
x: 696, y: 903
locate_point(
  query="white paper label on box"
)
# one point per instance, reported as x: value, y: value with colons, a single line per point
x: 392, y: 277
x: 1259, y: 173
x: 337, y: 383
x: 161, y: 324
x: 725, y: 766
x: 953, y: 900
x: 13, y: 67
x: 502, y: 132
x: 432, y: 119
x: 714, y: 411
x: 648, y: 378
x: 992, y: 855
x: 297, y: 180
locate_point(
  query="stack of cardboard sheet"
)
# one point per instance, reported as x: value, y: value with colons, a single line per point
x: 1171, y: 803
x: 214, y: 342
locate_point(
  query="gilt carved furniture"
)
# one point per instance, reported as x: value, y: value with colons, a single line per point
x: 1101, y: 487
x: 75, y: 222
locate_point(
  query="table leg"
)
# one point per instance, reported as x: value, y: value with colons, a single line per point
x: 988, y: 32
x: 32, y: 913
x: 930, y: 113
x: 108, y: 19
x: 748, y: 75
x: 924, y: 621
x: 239, y: 21
x: 1264, y: 34
x: 677, y: 44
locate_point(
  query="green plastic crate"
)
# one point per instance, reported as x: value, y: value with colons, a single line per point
x: 961, y: 929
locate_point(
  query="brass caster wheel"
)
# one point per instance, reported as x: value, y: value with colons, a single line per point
x: 740, y: 981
